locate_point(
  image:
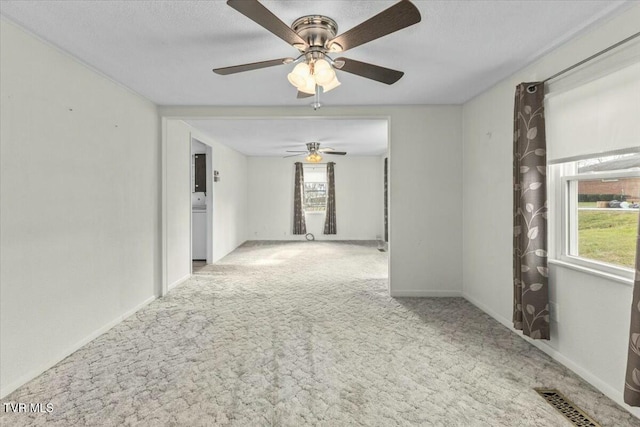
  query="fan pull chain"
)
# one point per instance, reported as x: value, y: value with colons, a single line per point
x: 316, y: 99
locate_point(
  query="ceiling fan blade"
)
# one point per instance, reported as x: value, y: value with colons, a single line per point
x: 297, y: 151
x: 370, y: 71
x: 259, y: 14
x: 295, y: 155
x: 325, y: 149
x: 252, y: 66
x: 401, y: 15
x: 303, y: 95
x: 339, y: 153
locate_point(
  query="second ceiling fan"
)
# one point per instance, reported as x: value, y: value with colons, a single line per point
x: 315, y: 37
x: 314, y: 152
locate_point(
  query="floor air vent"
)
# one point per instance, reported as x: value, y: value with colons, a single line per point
x: 567, y: 408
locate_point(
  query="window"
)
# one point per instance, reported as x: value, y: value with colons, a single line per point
x: 600, y: 199
x: 315, y: 196
x: 315, y: 188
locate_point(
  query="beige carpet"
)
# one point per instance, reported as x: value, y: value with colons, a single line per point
x: 304, y: 333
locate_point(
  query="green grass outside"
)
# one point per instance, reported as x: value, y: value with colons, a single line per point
x: 608, y: 236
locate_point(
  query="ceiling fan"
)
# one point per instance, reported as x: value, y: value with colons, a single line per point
x: 315, y: 37
x: 314, y: 152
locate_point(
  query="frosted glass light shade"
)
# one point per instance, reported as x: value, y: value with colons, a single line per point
x: 320, y: 64
x: 314, y: 158
x: 323, y: 75
x: 323, y: 72
x: 299, y: 76
x: 331, y: 85
x: 309, y: 86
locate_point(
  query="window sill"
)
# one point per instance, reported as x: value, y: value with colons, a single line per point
x: 314, y: 213
x: 592, y: 272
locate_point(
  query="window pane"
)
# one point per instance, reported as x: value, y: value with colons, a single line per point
x: 608, y: 220
x: 315, y: 196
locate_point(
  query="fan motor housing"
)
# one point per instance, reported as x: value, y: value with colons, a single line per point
x: 313, y: 146
x: 316, y: 30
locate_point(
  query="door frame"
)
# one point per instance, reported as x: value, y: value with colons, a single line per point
x: 226, y: 114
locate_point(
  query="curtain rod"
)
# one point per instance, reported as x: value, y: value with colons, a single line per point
x: 603, y: 51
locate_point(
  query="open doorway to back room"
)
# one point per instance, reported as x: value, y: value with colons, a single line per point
x: 294, y: 190
x: 201, y: 203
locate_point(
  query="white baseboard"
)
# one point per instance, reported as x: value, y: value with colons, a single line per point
x: 56, y: 359
x: 400, y: 293
x: 319, y: 237
x: 178, y: 282
x: 219, y: 254
x: 605, y: 388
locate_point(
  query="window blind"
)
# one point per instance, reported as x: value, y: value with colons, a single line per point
x: 595, y: 109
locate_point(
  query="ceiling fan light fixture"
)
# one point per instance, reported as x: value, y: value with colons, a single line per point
x: 313, y: 158
x: 315, y: 36
x: 300, y: 75
x: 320, y: 65
x: 309, y: 86
x: 296, y: 80
x: 324, y: 75
x: 331, y: 85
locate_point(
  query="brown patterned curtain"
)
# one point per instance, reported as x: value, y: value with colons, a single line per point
x: 530, y: 273
x: 299, y: 224
x: 632, y: 381
x: 330, y: 217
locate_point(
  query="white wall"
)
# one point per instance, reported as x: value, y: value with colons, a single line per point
x: 177, y: 201
x: 230, y: 205
x: 80, y: 200
x: 358, y: 199
x: 228, y: 217
x: 591, y: 334
x: 425, y: 187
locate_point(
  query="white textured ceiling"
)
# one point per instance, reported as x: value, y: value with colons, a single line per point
x: 165, y: 50
x: 273, y: 137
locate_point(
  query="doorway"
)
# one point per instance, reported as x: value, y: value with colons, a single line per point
x: 201, y: 204
x: 254, y: 200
